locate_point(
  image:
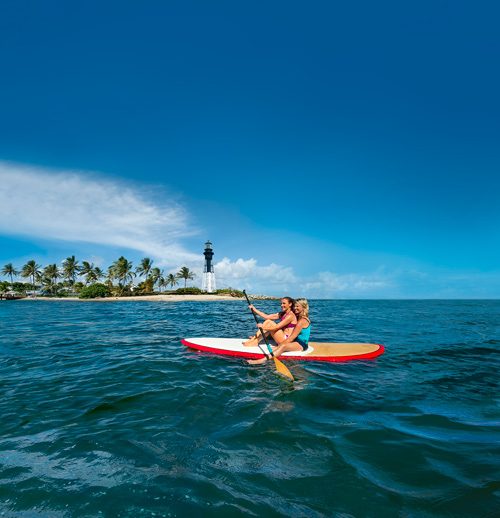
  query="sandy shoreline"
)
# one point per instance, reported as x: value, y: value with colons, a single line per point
x: 145, y: 298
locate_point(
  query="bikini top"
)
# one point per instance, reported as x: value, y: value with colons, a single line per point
x: 290, y: 325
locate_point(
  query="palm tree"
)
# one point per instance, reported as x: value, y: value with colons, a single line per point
x: 87, y: 270
x: 145, y: 267
x: 31, y: 269
x: 50, y: 275
x: 110, y: 277
x: 9, y: 270
x: 70, y: 269
x: 155, y: 275
x: 122, y: 270
x: 162, y: 282
x: 94, y: 274
x: 186, y: 274
x: 171, y: 280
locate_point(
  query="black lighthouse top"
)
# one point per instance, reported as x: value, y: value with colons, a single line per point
x: 208, y: 253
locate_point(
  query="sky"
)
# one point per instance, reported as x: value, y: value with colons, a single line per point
x: 327, y: 149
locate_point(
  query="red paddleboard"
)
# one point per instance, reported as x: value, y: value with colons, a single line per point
x: 322, y: 352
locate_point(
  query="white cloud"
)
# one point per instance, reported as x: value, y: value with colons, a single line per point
x: 246, y: 273
x: 79, y: 206
x: 280, y: 280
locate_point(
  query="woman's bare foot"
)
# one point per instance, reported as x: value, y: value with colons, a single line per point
x: 257, y: 362
x: 251, y: 341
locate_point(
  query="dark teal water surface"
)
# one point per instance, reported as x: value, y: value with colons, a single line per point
x: 105, y: 413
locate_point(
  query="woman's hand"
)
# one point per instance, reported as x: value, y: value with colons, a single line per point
x: 252, y: 307
x: 295, y: 332
x: 269, y: 325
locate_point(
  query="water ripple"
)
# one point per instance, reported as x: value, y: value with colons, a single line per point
x: 105, y: 413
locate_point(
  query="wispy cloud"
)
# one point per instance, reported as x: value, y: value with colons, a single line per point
x: 79, y: 206
x: 330, y: 284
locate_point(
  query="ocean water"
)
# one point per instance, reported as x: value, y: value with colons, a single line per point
x: 104, y: 413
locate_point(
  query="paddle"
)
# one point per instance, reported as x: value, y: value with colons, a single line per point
x: 280, y: 366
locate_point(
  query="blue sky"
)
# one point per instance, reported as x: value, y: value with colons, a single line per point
x: 328, y: 149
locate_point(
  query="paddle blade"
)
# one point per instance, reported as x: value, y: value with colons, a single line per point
x: 282, y: 369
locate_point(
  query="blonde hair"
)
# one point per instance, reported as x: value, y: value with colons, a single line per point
x: 305, y: 306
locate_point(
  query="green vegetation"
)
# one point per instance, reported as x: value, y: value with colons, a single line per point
x: 189, y: 291
x: 19, y: 287
x: 70, y: 278
x: 97, y: 290
x: 231, y: 292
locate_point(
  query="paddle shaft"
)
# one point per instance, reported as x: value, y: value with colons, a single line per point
x: 262, y: 331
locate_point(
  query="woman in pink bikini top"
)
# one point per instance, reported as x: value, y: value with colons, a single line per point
x: 290, y: 323
x: 278, y: 331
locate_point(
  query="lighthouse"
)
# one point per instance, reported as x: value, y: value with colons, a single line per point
x: 208, y: 280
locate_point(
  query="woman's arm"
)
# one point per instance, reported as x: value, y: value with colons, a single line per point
x: 298, y: 328
x: 283, y: 323
x: 274, y: 316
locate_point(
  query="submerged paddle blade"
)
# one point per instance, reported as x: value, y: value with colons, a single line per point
x: 282, y: 369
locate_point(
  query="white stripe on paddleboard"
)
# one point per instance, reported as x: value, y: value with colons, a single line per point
x: 236, y: 345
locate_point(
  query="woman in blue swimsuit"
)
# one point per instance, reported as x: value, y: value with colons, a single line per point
x: 299, y: 338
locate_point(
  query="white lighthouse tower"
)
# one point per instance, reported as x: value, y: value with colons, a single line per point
x: 208, y: 280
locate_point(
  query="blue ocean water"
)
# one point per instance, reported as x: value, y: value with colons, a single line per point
x: 105, y: 413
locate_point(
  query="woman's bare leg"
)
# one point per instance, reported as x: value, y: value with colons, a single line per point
x: 278, y: 336
x: 293, y: 346
x: 255, y: 340
x: 257, y: 362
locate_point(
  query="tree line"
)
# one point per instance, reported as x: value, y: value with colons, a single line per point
x: 73, y: 277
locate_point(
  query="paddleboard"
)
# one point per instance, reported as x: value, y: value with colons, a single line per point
x: 324, y: 352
